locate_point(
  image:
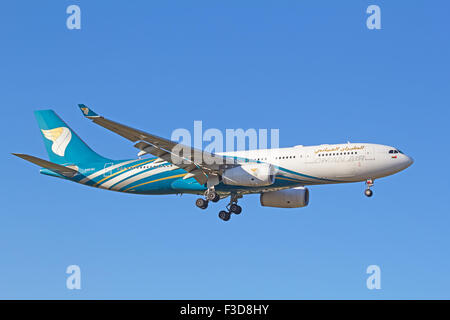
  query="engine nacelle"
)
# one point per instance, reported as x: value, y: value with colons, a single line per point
x: 250, y: 175
x: 289, y: 198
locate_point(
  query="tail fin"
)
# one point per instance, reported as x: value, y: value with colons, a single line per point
x: 62, y: 143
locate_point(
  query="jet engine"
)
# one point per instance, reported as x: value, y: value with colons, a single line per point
x: 250, y: 175
x: 289, y: 198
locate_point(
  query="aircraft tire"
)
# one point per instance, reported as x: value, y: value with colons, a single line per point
x: 224, y: 215
x: 236, y: 209
x: 201, y: 203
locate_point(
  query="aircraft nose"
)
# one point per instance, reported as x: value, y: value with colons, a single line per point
x: 409, y: 161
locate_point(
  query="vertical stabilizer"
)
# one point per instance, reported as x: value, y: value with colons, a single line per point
x: 62, y: 143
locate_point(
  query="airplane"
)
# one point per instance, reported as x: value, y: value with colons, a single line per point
x: 280, y: 175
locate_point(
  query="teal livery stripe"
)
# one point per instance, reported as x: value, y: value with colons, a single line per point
x: 137, y: 176
x: 286, y: 178
x: 129, y: 175
x: 148, y: 176
x: 122, y: 173
x: 99, y: 174
x: 160, y: 182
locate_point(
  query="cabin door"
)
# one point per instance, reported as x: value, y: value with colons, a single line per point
x: 108, y: 170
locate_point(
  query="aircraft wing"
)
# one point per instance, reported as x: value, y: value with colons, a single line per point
x: 62, y: 170
x: 199, y: 164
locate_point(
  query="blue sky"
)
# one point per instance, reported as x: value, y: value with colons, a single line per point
x: 310, y: 68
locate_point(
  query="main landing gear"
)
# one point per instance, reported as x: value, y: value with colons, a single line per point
x: 368, y: 192
x: 210, y: 195
x: 232, y: 207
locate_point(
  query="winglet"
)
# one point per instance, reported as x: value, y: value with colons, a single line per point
x: 88, y: 113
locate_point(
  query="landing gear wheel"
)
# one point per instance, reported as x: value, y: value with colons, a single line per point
x: 213, y: 196
x: 216, y: 198
x: 201, y: 203
x: 224, y: 215
x: 234, y: 208
x: 368, y: 192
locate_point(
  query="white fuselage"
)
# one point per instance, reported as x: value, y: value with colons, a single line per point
x: 334, y: 163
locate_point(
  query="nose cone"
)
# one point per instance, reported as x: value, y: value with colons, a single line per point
x: 408, y: 161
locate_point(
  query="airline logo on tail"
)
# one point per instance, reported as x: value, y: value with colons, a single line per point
x: 61, y: 137
x: 85, y: 110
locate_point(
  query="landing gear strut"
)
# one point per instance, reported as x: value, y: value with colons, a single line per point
x: 368, y: 192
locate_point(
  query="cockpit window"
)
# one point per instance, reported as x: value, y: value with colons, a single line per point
x: 395, y: 151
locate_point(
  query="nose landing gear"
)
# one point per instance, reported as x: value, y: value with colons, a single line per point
x: 369, y: 184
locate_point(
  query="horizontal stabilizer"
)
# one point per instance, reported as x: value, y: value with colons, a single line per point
x: 62, y: 170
